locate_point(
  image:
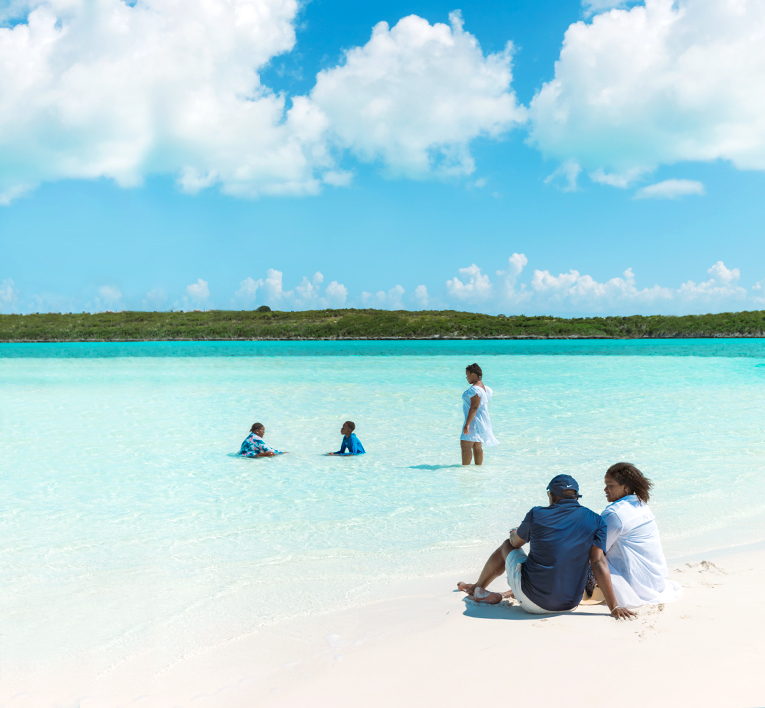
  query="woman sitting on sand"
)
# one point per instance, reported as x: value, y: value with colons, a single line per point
x: 476, y: 431
x: 633, y: 548
x: 253, y: 446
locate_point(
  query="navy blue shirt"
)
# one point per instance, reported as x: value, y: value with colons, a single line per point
x: 561, y: 537
x: 352, y: 444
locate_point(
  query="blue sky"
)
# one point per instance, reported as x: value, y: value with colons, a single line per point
x: 227, y: 154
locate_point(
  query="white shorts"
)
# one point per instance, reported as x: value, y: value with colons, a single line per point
x: 515, y: 559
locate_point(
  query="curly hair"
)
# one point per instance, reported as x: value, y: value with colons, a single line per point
x: 474, y: 369
x: 256, y: 426
x: 630, y: 476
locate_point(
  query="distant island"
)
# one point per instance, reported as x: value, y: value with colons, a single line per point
x: 363, y: 324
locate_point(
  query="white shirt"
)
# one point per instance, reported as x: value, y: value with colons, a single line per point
x: 634, y: 555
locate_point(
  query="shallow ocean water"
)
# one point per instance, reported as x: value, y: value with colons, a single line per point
x: 125, y: 523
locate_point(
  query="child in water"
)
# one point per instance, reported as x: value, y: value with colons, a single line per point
x: 253, y: 446
x: 351, y: 444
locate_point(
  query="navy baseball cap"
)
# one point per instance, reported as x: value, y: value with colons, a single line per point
x: 561, y: 483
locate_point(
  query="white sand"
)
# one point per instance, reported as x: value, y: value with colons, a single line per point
x: 434, y: 648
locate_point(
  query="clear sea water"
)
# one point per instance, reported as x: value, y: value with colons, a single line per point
x: 125, y: 522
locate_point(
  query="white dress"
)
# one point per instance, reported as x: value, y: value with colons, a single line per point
x: 480, y: 426
x: 634, y: 555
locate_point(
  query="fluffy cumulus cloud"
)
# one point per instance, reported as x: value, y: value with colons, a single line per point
x: 721, y: 286
x: 471, y: 285
x: 415, y: 96
x: 198, y: 292
x: 421, y: 297
x: 575, y: 293
x: 658, y: 83
x: 113, y: 89
x: 391, y: 300
x: 306, y: 295
x: 118, y: 89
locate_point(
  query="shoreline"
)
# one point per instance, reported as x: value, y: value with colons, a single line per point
x: 434, y: 338
x: 432, y: 646
x: 427, y: 644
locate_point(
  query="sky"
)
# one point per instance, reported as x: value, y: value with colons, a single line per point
x: 538, y: 157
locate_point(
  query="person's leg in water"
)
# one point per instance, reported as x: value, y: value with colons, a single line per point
x: 467, y: 451
x: 494, y: 567
x: 470, y: 450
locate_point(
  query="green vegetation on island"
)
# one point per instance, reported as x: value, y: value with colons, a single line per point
x: 362, y: 324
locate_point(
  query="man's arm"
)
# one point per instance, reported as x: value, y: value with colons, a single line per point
x: 603, y: 578
x: 515, y: 540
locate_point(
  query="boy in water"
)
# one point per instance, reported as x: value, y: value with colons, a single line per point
x: 351, y: 444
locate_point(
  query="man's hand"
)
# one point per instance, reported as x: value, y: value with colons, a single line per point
x: 622, y: 613
x: 466, y: 430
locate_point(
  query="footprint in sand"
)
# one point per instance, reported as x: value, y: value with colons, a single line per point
x: 703, y: 567
x: 648, y: 619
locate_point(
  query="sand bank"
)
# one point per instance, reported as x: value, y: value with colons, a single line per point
x: 433, y: 647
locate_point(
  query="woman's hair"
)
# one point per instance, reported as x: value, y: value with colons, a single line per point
x: 630, y: 476
x: 474, y: 369
x: 351, y: 425
x: 256, y: 426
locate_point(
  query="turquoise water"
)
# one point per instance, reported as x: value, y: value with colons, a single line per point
x: 125, y: 523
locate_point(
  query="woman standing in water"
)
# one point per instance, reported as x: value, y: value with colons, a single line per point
x: 476, y: 432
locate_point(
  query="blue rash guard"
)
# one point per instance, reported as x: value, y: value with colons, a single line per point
x: 351, y: 446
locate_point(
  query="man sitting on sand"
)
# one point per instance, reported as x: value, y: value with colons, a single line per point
x: 564, y: 537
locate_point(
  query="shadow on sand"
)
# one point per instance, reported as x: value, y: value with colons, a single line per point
x: 504, y: 611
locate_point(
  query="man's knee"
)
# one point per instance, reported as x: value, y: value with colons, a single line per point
x: 506, y: 548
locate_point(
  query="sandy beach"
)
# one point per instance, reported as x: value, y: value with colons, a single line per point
x: 434, y: 647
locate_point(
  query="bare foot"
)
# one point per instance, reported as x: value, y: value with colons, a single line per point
x: 508, y: 595
x: 466, y: 587
x: 485, y: 597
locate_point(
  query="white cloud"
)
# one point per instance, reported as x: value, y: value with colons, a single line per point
x: 622, y: 181
x: 198, y: 292
x: 565, y: 176
x: 307, y: 294
x: 336, y: 294
x: 575, y: 293
x: 476, y: 288
x: 516, y: 263
x: 661, y: 83
x: 421, y: 297
x: 416, y: 94
x: 109, y: 293
x: 670, y: 189
x: 759, y: 292
x: 123, y: 90
x: 721, y: 286
x: 583, y: 292
x: 108, y: 297
x: 389, y: 301
x: 155, y: 299
x: 8, y: 295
